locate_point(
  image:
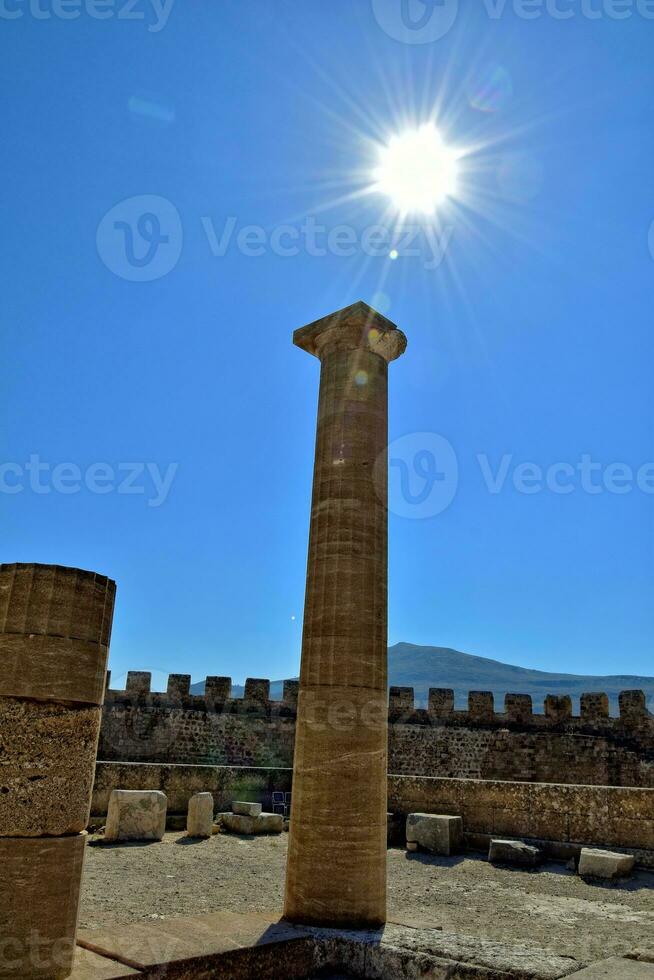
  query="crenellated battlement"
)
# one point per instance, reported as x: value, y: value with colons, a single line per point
x: 217, y: 695
x: 495, y: 738
x: 517, y: 710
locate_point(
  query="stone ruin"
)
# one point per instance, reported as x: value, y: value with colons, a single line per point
x: 55, y: 626
x: 552, y: 745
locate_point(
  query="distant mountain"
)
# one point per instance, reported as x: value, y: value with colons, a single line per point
x: 424, y: 667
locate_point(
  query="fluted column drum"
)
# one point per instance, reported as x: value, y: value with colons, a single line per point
x: 337, y: 847
x: 55, y: 626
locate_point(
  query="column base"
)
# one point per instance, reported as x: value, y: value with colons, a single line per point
x: 39, y: 902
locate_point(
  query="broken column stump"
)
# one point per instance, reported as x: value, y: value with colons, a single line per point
x: 199, y: 819
x: 55, y: 626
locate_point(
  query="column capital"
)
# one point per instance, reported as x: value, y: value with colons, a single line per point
x: 357, y: 327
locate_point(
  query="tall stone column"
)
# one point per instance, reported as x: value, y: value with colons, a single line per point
x: 336, y: 871
x: 55, y: 625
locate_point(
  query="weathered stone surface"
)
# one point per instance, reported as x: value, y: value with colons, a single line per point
x: 136, y: 815
x: 239, y: 947
x: 246, y: 809
x: 52, y: 668
x: 264, y: 823
x: 92, y: 966
x: 56, y: 600
x: 497, y: 809
x: 200, y: 815
x: 515, y: 960
x: 48, y: 764
x: 514, y: 852
x: 601, y: 815
x: 245, y: 946
x: 439, y: 834
x: 609, y: 752
x: 55, y: 625
x: 617, y: 968
x: 594, y: 863
x: 38, y: 905
x: 339, y: 805
x: 179, y: 783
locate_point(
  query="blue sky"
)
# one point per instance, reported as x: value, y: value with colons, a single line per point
x: 530, y: 342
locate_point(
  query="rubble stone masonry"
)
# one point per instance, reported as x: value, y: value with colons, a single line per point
x: 517, y: 744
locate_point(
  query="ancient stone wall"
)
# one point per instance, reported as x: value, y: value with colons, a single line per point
x: 563, y: 815
x: 519, y: 744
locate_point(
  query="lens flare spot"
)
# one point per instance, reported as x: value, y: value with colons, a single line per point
x: 361, y: 378
x: 491, y: 89
x: 393, y: 254
x: 381, y: 302
x: 151, y: 109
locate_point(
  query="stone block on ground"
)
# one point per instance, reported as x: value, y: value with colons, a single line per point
x: 263, y: 823
x: 434, y: 832
x: 136, y: 815
x: 246, y: 809
x: 38, y: 905
x: 200, y: 815
x: 594, y: 863
x: 514, y: 852
x: 48, y: 764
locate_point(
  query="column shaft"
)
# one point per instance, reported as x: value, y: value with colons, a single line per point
x: 337, y: 846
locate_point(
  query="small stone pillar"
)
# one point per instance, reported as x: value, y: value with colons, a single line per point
x: 336, y: 873
x: 199, y: 820
x: 55, y: 626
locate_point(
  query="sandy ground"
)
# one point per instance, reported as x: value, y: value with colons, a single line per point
x: 549, y: 908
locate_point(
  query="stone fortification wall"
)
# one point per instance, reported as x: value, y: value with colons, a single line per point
x: 517, y: 743
x: 561, y: 816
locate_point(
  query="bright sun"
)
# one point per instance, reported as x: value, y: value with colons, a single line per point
x: 417, y: 170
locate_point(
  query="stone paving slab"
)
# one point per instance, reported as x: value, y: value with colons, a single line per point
x: 617, y: 968
x: 145, y: 944
x: 91, y: 966
x: 234, y: 945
